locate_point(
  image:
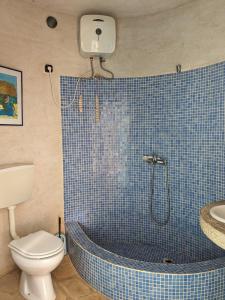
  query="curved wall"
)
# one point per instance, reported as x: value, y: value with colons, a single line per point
x: 107, y: 185
x: 190, y: 35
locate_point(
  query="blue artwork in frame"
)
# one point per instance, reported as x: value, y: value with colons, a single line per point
x: 11, y: 108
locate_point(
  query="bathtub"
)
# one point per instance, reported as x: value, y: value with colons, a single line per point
x: 122, y: 278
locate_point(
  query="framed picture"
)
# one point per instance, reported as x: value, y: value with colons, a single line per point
x: 11, y: 106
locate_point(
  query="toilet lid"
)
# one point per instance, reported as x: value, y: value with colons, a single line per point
x: 37, y: 244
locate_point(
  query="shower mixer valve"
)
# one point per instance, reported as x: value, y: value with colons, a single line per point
x: 154, y: 159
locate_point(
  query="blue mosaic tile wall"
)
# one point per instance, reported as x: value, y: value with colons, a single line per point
x: 107, y: 185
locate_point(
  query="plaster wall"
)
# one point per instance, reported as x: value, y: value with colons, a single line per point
x: 191, y: 35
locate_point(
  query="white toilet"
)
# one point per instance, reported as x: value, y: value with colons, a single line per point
x: 38, y: 253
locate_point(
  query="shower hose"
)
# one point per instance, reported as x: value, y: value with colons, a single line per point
x: 161, y: 223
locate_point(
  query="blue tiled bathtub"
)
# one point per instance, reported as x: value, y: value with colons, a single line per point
x: 121, y: 278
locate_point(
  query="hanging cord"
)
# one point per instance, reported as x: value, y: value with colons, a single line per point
x: 92, y: 67
x: 83, y: 76
x: 76, y: 87
x: 101, y: 61
x: 75, y: 92
x: 160, y: 223
x: 97, y: 104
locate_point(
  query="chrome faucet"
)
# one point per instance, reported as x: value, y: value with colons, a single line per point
x: 154, y: 159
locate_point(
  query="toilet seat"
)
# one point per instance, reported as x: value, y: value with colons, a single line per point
x: 37, y: 245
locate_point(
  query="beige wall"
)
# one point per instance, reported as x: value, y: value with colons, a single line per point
x: 27, y: 44
x: 192, y: 35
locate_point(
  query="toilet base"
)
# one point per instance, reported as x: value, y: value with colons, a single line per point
x: 37, y: 287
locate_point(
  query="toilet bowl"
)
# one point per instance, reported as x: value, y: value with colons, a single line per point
x: 37, y: 255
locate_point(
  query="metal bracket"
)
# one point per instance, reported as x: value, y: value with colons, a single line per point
x: 178, y: 68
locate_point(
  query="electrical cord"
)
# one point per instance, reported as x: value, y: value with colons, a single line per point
x: 101, y: 61
x: 93, y: 76
x: 74, y: 95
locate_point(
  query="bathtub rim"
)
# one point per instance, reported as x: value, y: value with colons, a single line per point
x: 78, y: 236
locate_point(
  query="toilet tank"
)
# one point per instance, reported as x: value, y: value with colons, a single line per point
x: 16, y: 183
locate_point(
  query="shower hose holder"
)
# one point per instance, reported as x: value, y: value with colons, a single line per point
x: 154, y: 160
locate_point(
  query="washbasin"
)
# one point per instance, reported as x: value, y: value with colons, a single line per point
x: 212, y: 222
x: 218, y: 213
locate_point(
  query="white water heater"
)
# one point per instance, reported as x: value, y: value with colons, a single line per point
x: 97, y: 36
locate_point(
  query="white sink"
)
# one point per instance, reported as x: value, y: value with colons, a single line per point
x: 218, y: 213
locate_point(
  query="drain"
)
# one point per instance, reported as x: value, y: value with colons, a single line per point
x: 168, y: 261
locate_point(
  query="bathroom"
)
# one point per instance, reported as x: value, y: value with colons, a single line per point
x: 132, y: 166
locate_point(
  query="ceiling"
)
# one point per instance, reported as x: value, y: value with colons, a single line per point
x: 117, y: 8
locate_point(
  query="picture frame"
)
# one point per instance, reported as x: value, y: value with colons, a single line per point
x: 11, y: 97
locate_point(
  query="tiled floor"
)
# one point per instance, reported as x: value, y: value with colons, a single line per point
x: 67, y: 282
x: 148, y: 252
